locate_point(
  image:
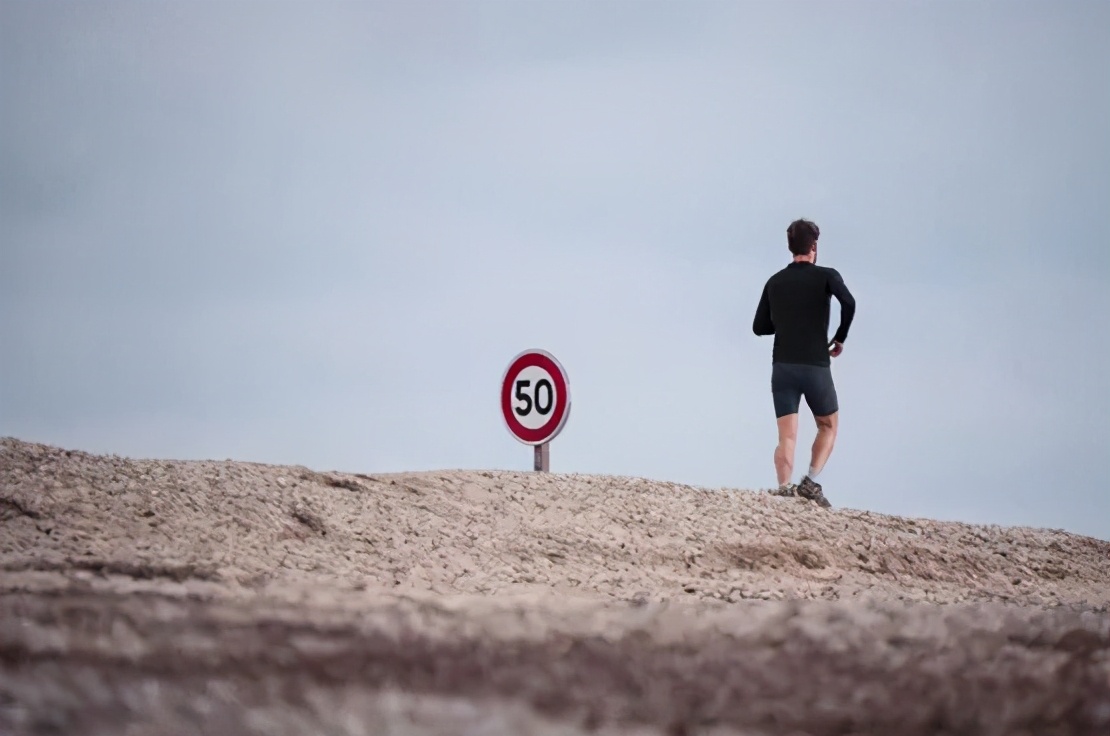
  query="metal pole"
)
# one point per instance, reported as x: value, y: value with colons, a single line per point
x: 542, y: 458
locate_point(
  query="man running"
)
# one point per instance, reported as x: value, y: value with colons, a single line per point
x: 794, y: 307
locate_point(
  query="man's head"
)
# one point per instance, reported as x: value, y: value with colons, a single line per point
x: 801, y: 238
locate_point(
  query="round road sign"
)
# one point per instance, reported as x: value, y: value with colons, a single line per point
x: 535, y: 397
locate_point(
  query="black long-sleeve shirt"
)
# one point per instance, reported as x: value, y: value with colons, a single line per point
x: 794, y: 307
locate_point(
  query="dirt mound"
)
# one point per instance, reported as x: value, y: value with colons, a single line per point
x: 254, y: 525
x: 239, y: 598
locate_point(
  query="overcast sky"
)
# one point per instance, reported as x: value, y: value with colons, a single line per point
x: 316, y: 233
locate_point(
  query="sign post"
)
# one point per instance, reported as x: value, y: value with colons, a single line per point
x: 535, y: 402
x: 542, y: 458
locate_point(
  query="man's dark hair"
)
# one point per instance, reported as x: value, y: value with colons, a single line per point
x: 801, y: 236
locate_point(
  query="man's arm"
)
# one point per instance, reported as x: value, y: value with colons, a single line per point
x: 762, y: 325
x: 847, y: 304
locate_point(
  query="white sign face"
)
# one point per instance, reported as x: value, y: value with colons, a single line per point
x: 534, y: 396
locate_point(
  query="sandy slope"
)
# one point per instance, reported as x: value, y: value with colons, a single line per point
x: 235, y: 598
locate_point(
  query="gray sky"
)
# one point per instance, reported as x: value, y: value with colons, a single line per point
x: 316, y: 233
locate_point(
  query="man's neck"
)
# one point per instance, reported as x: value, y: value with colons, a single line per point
x: 804, y: 259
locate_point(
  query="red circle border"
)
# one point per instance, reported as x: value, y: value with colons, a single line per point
x: 554, y: 425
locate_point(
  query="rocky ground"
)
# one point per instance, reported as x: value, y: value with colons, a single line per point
x: 171, y: 597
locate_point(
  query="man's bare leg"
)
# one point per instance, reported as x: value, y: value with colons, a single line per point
x: 784, y: 453
x: 823, y: 442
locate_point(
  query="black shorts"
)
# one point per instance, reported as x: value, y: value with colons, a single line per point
x: 791, y: 381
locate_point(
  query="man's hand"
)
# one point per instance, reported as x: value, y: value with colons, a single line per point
x: 836, y: 348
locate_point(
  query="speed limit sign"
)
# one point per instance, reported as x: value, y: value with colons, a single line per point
x: 535, y: 401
